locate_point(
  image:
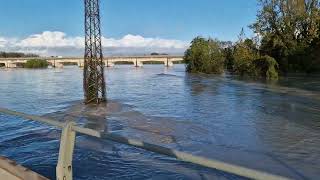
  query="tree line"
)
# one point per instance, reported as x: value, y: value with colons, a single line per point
x: 287, y: 39
x: 16, y: 55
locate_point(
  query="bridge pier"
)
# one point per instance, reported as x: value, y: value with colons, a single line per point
x: 10, y: 65
x: 137, y: 63
x: 168, y: 63
x: 55, y: 63
x: 58, y: 65
x: 80, y: 63
x: 109, y: 64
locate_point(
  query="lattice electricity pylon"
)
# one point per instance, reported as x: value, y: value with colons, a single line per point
x: 93, y: 73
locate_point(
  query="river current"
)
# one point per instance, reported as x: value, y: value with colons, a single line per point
x: 268, y: 126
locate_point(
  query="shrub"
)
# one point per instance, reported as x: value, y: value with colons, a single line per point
x: 266, y: 67
x: 204, y: 56
x: 249, y: 62
x: 36, y: 63
x: 244, y: 55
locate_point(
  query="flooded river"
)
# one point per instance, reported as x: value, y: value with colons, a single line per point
x: 272, y: 127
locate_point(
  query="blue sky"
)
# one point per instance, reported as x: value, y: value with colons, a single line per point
x: 163, y: 19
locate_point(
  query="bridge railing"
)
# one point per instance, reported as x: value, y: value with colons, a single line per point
x: 67, y: 142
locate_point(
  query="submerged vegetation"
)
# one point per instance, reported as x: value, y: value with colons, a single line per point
x: 247, y: 61
x: 289, y: 31
x: 243, y: 58
x: 287, y: 40
x: 36, y: 63
x: 204, y: 55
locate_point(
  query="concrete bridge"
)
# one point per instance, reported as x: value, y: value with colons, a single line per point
x: 137, y: 61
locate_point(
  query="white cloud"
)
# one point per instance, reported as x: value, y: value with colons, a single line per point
x: 58, y: 43
x: 3, y: 42
x: 139, y: 41
x: 50, y: 39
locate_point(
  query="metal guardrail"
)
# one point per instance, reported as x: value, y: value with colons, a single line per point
x: 69, y: 129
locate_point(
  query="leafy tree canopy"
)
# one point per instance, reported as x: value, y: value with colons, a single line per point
x: 205, y: 56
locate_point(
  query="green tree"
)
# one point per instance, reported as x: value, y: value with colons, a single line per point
x: 229, y: 58
x: 265, y: 67
x: 205, y: 56
x: 245, y: 52
x: 36, y: 63
x: 249, y: 62
x: 288, y: 29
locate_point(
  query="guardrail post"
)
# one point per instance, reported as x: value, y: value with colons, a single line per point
x: 64, y: 166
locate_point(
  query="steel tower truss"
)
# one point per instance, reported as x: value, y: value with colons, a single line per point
x: 93, y: 73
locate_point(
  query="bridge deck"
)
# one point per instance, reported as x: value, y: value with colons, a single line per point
x: 108, y: 61
x: 106, y: 57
